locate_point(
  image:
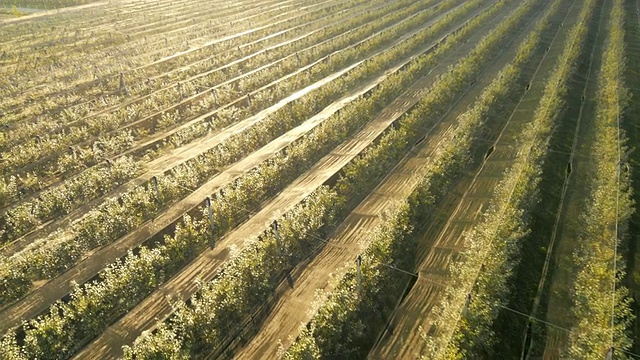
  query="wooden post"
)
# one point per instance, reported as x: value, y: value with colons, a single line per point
x: 359, y: 272
x: 154, y: 182
x: 467, y: 302
x: 123, y: 85
x: 208, y: 203
x: 276, y: 234
x: 215, y: 97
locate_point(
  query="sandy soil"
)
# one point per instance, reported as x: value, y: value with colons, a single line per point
x: 178, y: 156
x: 444, y: 238
x: 283, y: 323
x: 569, y: 222
x: 53, y: 12
x: 152, y: 307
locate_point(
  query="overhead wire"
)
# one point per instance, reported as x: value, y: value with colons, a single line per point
x: 486, y: 252
x: 618, y: 171
x: 327, y: 241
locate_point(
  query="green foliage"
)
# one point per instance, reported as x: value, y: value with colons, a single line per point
x: 61, y: 200
x: 607, y: 212
x: 8, y: 190
x: 227, y: 300
x: 51, y: 4
x: 139, y: 204
x: 9, y: 348
x: 493, y: 246
x: 339, y: 325
x: 248, y: 192
x: 199, y: 110
x: 162, y: 345
x: 15, y: 12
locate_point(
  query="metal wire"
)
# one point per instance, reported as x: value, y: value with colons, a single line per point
x: 618, y: 171
x: 486, y: 253
x: 531, y: 317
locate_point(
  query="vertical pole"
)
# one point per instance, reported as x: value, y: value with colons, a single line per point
x: 215, y: 96
x: 276, y: 234
x: 359, y: 272
x: 154, y: 182
x: 467, y: 302
x: 610, y: 354
x: 208, y: 202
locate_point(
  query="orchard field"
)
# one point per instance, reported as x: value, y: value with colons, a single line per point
x: 330, y: 179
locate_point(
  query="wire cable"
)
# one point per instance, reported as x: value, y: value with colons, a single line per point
x: 513, y: 188
x: 618, y: 171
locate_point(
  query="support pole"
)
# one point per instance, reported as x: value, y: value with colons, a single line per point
x: 215, y: 96
x: 276, y: 234
x: 359, y: 272
x: 210, y: 210
x: 154, y: 182
x: 467, y: 302
x: 123, y: 85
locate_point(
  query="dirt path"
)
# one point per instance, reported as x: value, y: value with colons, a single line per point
x: 463, y: 209
x: 291, y: 310
x: 177, y: 79
x: 38, y: 300
x: 127, y: 329
x: 232, y: 36
x: 192, y: 150
x: 44, y: 157
x: 84, y: 84
x: 569, y: 221
x: 58, y: 287
x: 110, y: 26
x: 52, y: 12
x: 49, y: 226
